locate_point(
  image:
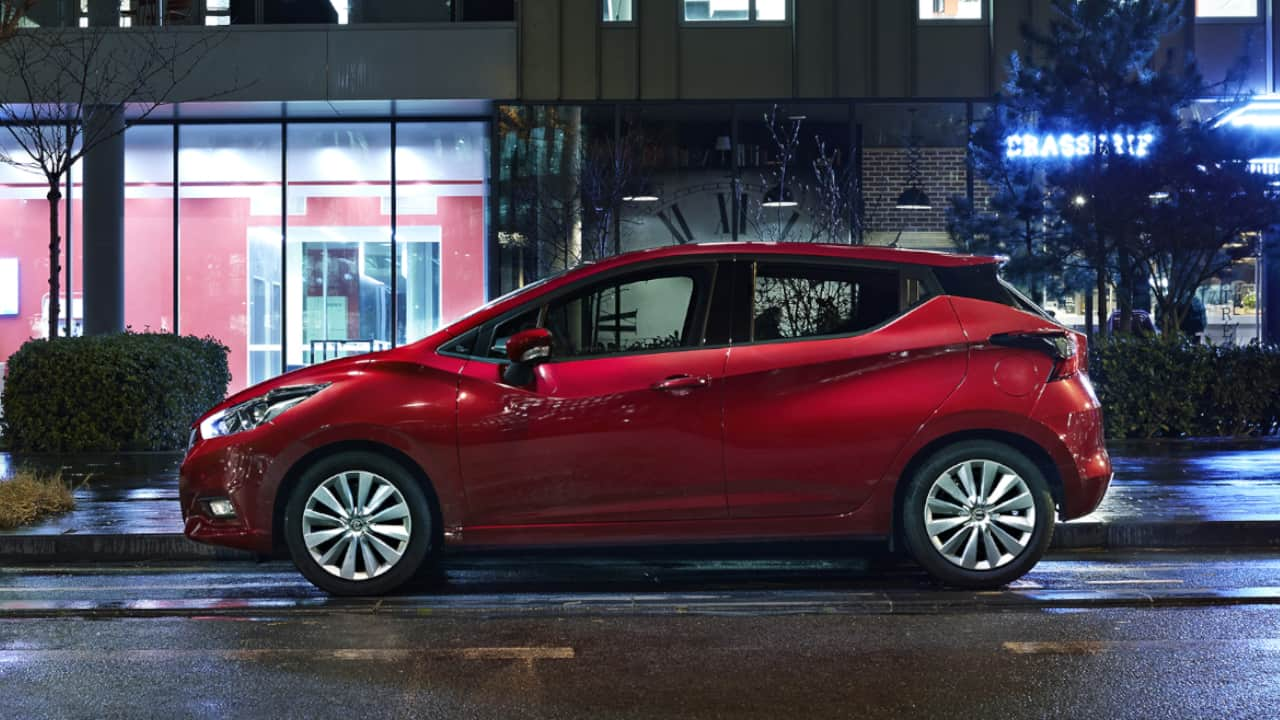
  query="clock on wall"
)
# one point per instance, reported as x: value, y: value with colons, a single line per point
x: 701, y: 210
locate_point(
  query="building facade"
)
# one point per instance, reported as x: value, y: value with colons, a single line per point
x: 363, y: 171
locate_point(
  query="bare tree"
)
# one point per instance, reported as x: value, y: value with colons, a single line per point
x: 68, y: 91
x: 825, y: 197
x: 773, y: 218
x: 830, y: 213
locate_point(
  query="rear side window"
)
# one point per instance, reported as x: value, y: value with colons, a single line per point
x: 981, y: 282
x: 800, y: 301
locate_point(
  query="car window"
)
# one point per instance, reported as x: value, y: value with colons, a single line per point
x: 628, y: 314
x: 799, y: 301
x: 524, y: 321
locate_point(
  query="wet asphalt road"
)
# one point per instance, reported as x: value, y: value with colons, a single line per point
x: 570, y: 636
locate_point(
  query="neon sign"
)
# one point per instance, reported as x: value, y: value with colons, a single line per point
x: 1265, y: 165
x: 1050, y: 146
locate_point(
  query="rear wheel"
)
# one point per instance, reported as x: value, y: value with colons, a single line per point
x: 358, y: 523
x: 978, y: 514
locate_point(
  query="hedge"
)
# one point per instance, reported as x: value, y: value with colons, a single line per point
x: 130, y: 391
x: 1157, y: 387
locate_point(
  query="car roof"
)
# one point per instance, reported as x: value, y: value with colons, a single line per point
x: 868, y: 253
x: 865, y: 253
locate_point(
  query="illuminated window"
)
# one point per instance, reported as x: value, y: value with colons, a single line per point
x: 217, y: 12
x: 618, y: 10
x: 951, y: 10
x: 1226, y: 8
x: 735, y: 10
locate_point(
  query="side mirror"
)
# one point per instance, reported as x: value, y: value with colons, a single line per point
x: 526, y: 349
x: 529, y: 346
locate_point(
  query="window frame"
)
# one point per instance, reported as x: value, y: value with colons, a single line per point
x: 751, y: 20
x: 1258, y: 17
x: 703, y: 292
x: 983, y: 6
x: 921, y: 273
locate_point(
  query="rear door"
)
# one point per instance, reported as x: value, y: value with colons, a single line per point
x: 839, y: 365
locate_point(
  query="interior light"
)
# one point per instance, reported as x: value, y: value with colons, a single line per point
x: 778, y: 197
x: 913, y: 198
x: 640, y: 191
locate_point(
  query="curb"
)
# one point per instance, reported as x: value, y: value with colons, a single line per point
x: 1149, y: 536
x: 1066, y: 536
x: 756, y: 603
x: 110, y: 548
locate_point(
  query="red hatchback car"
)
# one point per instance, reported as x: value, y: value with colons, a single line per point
x: 701, y: 393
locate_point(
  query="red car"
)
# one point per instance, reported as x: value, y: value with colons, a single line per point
x: 700, y: 393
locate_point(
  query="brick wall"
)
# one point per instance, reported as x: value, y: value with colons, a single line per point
x: 942, y: 172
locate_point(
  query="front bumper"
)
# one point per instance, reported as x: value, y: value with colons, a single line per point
x: 241, y: 471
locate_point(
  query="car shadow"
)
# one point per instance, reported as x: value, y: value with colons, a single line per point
x: 841, y: 566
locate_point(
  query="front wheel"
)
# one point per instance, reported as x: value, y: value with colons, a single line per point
x: 978, y: 514
x: 358, y: 524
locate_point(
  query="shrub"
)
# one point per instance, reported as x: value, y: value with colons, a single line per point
x: 28, y: 497
x: 1157, y: 387
x: 131, y: 391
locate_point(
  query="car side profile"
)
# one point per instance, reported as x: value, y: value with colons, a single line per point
x: 691, y: 394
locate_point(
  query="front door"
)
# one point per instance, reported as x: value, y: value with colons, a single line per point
x: 622, y: 424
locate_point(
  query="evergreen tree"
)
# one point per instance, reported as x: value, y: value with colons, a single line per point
x: 1097, y: 76
x: 1204, y: 218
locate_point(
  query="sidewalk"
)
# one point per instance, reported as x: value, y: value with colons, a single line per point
x: 1213, y: 493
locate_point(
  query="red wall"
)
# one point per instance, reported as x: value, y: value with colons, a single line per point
x: 25, y: 235
x: 214, y: 261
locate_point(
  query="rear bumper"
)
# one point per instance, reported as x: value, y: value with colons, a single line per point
x: 1085, y: 484
x: 1069, y: 409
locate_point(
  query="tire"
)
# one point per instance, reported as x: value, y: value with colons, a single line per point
x: 955, y: 535
x: 392, y: 538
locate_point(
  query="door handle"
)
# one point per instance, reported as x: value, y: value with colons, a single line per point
x: 683, y: 382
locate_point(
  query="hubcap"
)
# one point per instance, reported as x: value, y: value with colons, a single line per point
x: 979, y: 515
x: 356, y: 525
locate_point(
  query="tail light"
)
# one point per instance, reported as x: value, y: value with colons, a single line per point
x: 1069, y: 350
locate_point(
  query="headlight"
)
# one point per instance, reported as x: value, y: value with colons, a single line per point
x: 252, y: 413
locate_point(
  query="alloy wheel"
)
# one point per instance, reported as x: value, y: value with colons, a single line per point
x: 979, y: 515
x: 356, y: 525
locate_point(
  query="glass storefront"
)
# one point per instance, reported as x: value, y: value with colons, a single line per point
x: 24, y: 252
x: 229, y: 180
x: 339, y: 241
x: 298, y: 242
x: 285, y: 245
x: 148, y: 229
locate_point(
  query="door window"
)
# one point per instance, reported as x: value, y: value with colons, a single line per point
x: 800, y: 301
x: 524, y: 321
x: 629, y: 314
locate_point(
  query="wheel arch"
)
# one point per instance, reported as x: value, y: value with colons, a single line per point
x: 1023, y: 444
x: 306, y: 462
